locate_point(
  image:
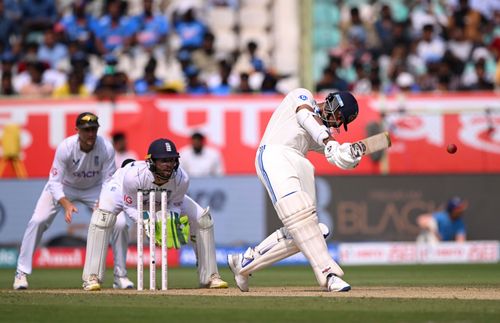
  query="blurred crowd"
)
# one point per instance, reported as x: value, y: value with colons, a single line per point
x: 61, y: 48
x: 414, y: 46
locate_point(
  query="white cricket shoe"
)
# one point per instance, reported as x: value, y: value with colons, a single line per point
x: 216, y: 282
x: 234, y: 263
x: 336, y: 284
x: 92, y: 284
x: 122, y: 283
x: 20, y: 281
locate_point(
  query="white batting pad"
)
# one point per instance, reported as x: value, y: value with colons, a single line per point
x: 298, y: 213
x: 277, y: 246
x: 205, y: 248
x: 100, y: 229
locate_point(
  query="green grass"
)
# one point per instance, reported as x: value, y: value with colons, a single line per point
x: 123, y: 307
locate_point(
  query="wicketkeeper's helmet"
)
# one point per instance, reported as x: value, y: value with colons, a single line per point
x: 161, y: 148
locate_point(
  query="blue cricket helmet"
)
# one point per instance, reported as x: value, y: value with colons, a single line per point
x: 347, y: 104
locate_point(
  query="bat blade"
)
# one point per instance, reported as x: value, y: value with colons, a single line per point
x: 371, y: 144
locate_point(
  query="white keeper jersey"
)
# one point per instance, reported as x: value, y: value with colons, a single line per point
x: 139, y: 177
x: 77, y: 169
x: 119, y: 175
x: 284, y: 129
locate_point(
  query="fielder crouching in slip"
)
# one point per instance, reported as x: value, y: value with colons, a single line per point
x: 160, y: 171
x: 297, y: 126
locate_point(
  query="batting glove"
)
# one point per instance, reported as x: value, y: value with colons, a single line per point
x: 340, y: 155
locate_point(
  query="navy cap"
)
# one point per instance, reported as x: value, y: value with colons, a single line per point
x: 456, y: 203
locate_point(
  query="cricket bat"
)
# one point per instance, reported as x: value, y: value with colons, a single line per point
x: 371, y: 144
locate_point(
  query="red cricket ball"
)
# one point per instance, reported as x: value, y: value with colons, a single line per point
x: 452, y: 148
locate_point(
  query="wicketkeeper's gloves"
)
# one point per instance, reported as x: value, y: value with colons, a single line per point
x: 177, y: 229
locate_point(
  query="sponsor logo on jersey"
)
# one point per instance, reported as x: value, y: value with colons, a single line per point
x: 303, y: 97
x: 127, y: 199
x: 75, y: 162
x: 87, y: 174
x: 54, y: 171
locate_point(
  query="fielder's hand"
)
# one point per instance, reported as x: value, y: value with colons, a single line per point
x: 69, y: 208
x: 340, y: 155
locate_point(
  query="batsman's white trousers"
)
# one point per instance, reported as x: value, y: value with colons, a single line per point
x: 284, y: 170
x: 45, y: 211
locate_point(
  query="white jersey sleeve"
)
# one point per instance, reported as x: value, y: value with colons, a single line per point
x: 283, y: 127
x: 57, y: 172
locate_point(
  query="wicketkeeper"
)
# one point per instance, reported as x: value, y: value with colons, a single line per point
x: 160, y: 171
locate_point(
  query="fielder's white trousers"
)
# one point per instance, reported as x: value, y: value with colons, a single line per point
x: 46, y: 210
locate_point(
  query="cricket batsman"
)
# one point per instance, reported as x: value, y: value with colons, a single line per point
x: 297, y: 126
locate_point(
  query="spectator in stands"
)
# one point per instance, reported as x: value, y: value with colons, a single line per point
x: 7, y: 88
x: 269, y: 83
x: 74, y: 86
x: 80, y: 64
x: 362, y: 85
x: 122, y: 152
x: 8, y: 62
x: 358, y: 29
x: 37, y: 80
x: 251, y: 60
x: 190, y: 29
x: 464, y: 16
x: 194, y: 84
x: 431, y: 47
x: 153, y: 28
x: 149, y: 83
x: 482, y: 82
x: 78, y: 26
x: 444, y: 225
x: 8, y: 28
x: 114, y: 31
x: 204, y: 58
x: 200, y: 160
x: 37, y: 16
x: 330, y: 81
x: 244, y: 84
x: 112, y: 83
x: 220, y: 83
x: 384, y: 27
x: 51, y: 51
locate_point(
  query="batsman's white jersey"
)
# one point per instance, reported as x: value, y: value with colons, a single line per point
x: 76, y: 175
x: 280, y: 161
